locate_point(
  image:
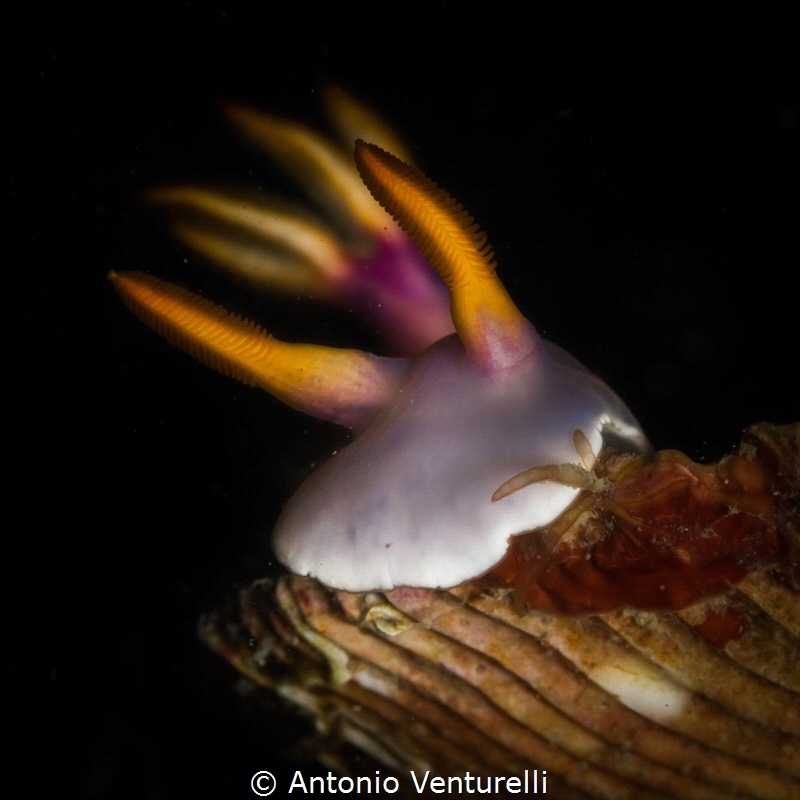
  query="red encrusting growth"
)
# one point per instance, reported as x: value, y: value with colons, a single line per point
x: 721, y: 626
x: 667, y: 533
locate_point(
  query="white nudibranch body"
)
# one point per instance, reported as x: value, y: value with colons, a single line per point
x: 408, y: 503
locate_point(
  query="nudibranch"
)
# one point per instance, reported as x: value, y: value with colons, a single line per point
x: 415, y: 499
x: 482, y: 451
x: 651, y: 648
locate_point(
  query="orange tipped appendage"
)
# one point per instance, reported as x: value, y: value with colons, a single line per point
x: 326, y: 172
x: 353, y: 120
x: 490, y: 326
x: 265, y: 246
x: 344, y: 386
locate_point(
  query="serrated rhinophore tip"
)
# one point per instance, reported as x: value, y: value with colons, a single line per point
x: 488, y: 322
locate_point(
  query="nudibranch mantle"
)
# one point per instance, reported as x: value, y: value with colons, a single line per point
x: 408, y: 503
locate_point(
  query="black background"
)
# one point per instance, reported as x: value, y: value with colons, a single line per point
x: 641, y: 199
